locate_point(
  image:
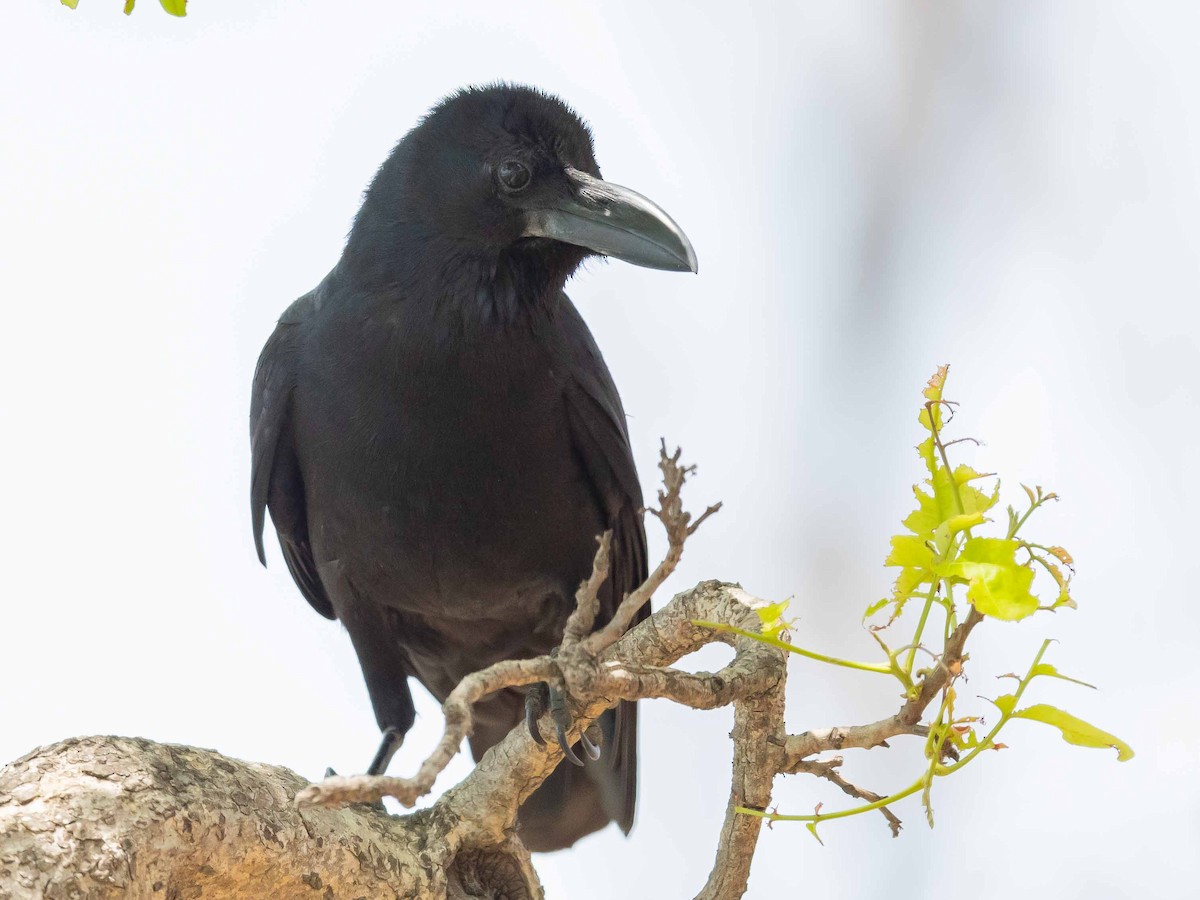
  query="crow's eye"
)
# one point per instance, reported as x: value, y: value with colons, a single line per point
x: 514, y: 175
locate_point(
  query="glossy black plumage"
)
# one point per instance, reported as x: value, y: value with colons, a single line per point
x: 437, y: 437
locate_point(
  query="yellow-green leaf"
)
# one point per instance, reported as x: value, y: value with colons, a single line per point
x: 771, y: 618
x: 1064, y: 599
x: 944, y: 492
x: 1003, y: 593
x: 975, y: 500
x: 997, y: 586
x: 925, y: 450
x: 982, y: 551
x: 963, y: 474
x: 1076, y: 731
x: 906, y: 585
x: 909, y: 551
x: 1005, y: 703
x: 876, y: 607
x: 926, y: 517
x: 70, y: 3
x: 175, y: 7
x: 930, y: 417
x: 128, y: 6
x: 1051, y: 672
x: 952, y: 526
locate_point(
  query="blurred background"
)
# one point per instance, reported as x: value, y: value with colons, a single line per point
x: 872, y: 189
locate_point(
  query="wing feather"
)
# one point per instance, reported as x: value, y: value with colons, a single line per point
x: 275, y: 480
x: 601, y: 438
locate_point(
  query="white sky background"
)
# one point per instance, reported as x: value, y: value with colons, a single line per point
x: 872, y: 190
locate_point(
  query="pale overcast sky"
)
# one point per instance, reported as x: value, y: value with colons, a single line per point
x: 871, y: 188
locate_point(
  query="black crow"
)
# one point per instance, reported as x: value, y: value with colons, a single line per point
x: 438, y: 439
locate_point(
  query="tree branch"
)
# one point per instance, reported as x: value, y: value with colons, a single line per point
x: 119, y: 817
x: 107, y: 817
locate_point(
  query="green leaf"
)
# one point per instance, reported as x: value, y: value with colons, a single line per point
x: 1051, y: 672
x: 1004, y: 594
x: 70, y: 3
x: 906, y: 585
x: 175, y: 7
x: 128, y: 6
x: 1005, y: 704
x: 909, y: 551
x: 812, y: 829
x: 998, y: 587
x: 1076, y: 731
x: 771, y: 618
x: 944, y: 493
x: 926, y: 517
x: 876, y: 607
x: 1064, y: 599
x: 925, y: 450
x: 952, y: 526
x: 975, y: 500
x: 931, y: 415
x: 963, y: 474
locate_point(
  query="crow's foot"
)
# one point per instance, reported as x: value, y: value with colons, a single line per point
x: 537, y: 698
x: 541, y: 697
x: 560, y: 714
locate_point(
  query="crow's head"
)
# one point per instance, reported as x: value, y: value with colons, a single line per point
x: 507, y: 169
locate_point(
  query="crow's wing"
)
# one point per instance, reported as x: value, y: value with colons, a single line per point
x: 275, y: 480
x: 601, y: 439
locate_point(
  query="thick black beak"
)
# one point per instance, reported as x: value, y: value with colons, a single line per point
x: 614, y: 221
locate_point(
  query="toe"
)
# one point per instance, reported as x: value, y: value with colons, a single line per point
x: 566, y: 746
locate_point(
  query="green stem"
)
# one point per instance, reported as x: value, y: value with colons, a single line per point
x: 799, y: 651
x: 936, y: 770
x: 841, y: 814
x: 1012, y: 532
x: 986, y: 743
x: 912, y: 651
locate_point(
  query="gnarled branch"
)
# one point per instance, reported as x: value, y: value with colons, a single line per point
x: 117, y: 817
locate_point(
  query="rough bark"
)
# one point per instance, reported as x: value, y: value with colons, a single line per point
x: 101, y: 817
x: 120, y: 817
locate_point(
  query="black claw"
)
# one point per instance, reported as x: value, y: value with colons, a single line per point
x: 592, y: 750
x: 566, y: 748
x: 534, y: 707
x: 560, y: 712
x: 329, y: 773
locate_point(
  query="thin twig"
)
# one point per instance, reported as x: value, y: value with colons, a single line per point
x: 338, y: 790
x: 828, y: 769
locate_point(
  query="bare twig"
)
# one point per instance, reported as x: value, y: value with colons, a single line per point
x: 828, y: 769
x: 338, y: 790
x: 797, y: 748
x: 679, y: 528
x: 587, y: 598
